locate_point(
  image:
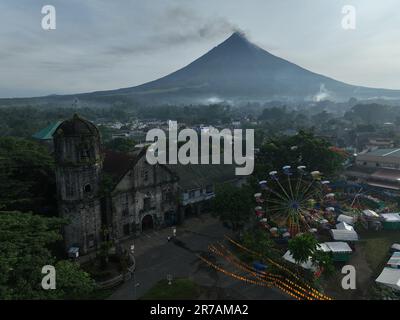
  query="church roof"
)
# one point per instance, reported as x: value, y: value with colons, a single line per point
x: 77, y: 126
x: 195, y: 176
x: 116, y: 164
x: 47, y: 133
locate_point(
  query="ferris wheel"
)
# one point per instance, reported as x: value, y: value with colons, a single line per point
x: 294, y: 198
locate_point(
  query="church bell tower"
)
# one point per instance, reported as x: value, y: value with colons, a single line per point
x: 79, y: 160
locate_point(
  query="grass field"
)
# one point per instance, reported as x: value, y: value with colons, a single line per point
x: 179, y: 289
x: 377, y: 245
x: 369, y: 260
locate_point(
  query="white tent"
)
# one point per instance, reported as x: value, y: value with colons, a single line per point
x: 391, y: 217
x: 306, y: 265
x: 344, y: 235
x: 390, y: 277
x: 394, y: 261
x: 370, y: 214
x: 344, y: 226
x: 323, y: 247
x: 347, y: 219
x: 338, y: 246
x: 395, y: 247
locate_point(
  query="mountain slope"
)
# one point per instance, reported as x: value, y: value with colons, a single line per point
x: 238, y: 70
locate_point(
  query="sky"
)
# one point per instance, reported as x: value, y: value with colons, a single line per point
x: 103, y: 44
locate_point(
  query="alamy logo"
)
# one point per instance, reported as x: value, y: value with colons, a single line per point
x: 49, y: 20
x: 349, y: 19
x: 49, y: 280
x: 349, y: 280
x: 189, y: 151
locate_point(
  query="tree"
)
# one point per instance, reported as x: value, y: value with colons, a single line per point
x: 72, y: 282
x: 25, y: 242
x: 258, y: 241
x: 303, y: 247
x: 121, y: 144
x: 27, y: 176
x: 324, y: 261
x: 232, y: 205
x: 301, y: 149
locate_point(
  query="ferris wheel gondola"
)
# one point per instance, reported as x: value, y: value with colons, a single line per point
x: 292, y: 197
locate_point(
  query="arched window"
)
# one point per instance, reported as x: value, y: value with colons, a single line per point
x: 87, y: 188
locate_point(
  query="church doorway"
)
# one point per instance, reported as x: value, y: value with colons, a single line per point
x: 190, y: 212
x: 147, y: 223
x: 170, y: 218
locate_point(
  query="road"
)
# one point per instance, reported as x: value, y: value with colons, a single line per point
x: 156, y: 258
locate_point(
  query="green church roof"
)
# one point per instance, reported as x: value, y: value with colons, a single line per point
x: 47, y: 133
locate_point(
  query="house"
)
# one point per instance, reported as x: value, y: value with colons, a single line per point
x: 380, y: 158
x: 378, y: 168
x: 380, y: 143
x: 197, y: 184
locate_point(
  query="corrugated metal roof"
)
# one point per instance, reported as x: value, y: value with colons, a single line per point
x: 344, y: 235
x: 339, y: 246
x: 391, y: 217
x: 392, y: 152
x: 394, y: 260
x: 390, y: 277
x: 47, y: 133
x: 344, y: 226
x: 347, y: 219
x: 195, y: 176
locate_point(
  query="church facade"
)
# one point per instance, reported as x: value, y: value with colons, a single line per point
x: 105, y: 195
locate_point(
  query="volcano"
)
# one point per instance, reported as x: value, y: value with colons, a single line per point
x: 238, y: 70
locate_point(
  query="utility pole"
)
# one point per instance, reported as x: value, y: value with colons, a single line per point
x: 133, y: 271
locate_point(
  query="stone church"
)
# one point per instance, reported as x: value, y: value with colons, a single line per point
x: 107, y: 195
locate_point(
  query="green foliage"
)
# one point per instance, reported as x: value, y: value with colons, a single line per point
x: 72, y: 283
x: 301, y: 149
x: 121, y: 145
x: 324, y: 261
x: 178, y: 289
x: 24, y: 121
x: 381, y: 292
x: 106, y: 184
x: 258, y: 241
x: 303, y: 247
x: 232, y: 205
x: 193, y: 114
x: 372, y: 113
x: 25, y: 242
x: 27, y: 176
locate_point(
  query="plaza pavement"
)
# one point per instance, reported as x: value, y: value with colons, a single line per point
x: 156, y: 258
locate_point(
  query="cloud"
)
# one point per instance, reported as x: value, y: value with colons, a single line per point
x: 176, y: 26
x: 102, y: 44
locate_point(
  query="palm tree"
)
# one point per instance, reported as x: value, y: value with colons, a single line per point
x: 303, y: 247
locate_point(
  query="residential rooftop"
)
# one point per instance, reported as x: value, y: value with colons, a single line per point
x: 387, y: 152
